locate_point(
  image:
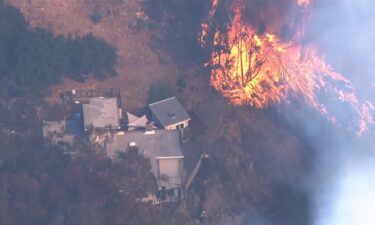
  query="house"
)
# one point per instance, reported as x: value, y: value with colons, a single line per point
x: 169, y: 114
x: 163, y: 148
x: 102, y: 112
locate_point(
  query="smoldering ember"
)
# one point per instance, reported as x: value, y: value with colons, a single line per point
x: 225, y: 112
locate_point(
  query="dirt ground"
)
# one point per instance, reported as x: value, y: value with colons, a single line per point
x: 138, y: 66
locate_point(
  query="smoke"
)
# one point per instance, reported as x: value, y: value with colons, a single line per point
x: 280, y: 17
x: 344, y: 31
x: 345, y: 174
x: 344, y: 178
x: 343, y: 183
x: 350, y: 200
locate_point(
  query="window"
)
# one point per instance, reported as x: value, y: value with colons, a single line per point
x: 180, y: 126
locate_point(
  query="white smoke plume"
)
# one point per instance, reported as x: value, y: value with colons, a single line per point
x: 345, y: 31
x: 349, y: 197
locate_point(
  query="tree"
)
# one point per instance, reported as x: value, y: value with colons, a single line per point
x: 43, y: 184
x: 32, y: 60
x: 179, y: 25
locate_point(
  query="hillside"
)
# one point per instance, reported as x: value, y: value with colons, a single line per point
x: 255, y: 163
x: 139, y: 65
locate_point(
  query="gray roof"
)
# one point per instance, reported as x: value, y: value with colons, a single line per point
x: 101, y: 112
x: 159, y: 143
x: 169, y: 111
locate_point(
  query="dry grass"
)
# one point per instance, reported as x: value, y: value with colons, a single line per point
x: 138, y: 67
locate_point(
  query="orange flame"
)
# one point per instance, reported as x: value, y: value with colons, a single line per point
x: 304, y: 2
x: 258, y: 70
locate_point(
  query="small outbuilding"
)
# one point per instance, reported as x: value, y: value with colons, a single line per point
x: 169, y: 114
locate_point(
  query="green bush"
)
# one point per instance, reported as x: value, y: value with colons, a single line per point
x: 159, y: 91
x: 96, y: 17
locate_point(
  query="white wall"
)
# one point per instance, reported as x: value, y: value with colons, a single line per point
x: 173, y: 126
x: 172, y: 168
x: 169, y: 167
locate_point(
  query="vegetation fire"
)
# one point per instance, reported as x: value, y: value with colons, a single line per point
x: 249, y: 67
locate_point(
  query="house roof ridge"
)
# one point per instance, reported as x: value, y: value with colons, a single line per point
x: 162, y: 100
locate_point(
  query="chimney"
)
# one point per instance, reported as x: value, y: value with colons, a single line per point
x: 149, y: 128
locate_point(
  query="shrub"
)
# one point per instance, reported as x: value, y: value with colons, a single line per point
x: 159, y: 91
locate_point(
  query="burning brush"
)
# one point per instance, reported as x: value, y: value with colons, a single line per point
x: 259, y: 69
